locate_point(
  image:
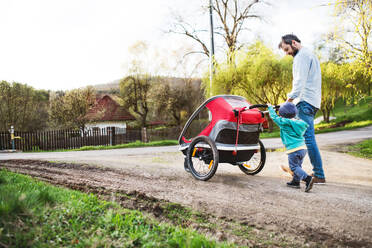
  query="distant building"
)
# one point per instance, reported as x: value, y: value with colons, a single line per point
x: 106, y: 112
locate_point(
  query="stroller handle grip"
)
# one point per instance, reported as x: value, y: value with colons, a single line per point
x: 258, y: 106
x: 262, y: 106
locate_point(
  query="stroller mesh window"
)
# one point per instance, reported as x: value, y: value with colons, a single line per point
x: 236, y: 103
x: 198, y: 124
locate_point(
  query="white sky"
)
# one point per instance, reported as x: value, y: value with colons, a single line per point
x: 65, y: 44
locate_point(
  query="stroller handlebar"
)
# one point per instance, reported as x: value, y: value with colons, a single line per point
x: 258, y: 106
x: 238, y: 111
x: 263, y: 106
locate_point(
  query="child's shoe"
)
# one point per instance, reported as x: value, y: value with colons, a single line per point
x: 309, y: 180
x: 294, y: 184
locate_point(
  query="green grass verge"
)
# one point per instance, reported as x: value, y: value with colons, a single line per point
x: 363, y: 149
x: 128, y: 145
x: 35, y: 214
x: 348, y: 116
x: 362, y: 110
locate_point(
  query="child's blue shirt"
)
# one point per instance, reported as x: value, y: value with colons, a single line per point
x: 291, y: 130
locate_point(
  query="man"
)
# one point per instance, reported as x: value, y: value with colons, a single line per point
x: 306, y: 89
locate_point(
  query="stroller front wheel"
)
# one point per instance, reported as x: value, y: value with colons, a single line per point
x: 202, y: 158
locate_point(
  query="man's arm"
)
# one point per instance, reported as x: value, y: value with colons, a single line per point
x: 301, y: 68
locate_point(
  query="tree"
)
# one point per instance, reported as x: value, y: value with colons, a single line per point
x: 340, y: 81
x: 68, y: 109
x: 332, y: 88
x: 170, y: 102
x: 259, y: 75
x: 355, y: 35
x: 354, y: 81
x: 23, y: 107
x: 135, y: 94
x: 232, y: 16
x: 178, y: 100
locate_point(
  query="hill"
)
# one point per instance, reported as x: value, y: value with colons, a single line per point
x: 113, y: 87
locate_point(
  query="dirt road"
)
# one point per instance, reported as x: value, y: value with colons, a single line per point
x: 336, y: 214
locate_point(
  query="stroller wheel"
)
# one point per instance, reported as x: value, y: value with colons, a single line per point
x: 202, y: 158
x: 256, y: 163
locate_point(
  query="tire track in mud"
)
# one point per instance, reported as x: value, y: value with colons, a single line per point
x: 111, y: 184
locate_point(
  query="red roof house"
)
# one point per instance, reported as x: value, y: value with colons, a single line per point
x: 106, y: 112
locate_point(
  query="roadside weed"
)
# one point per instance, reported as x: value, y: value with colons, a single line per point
x: 363, y: 149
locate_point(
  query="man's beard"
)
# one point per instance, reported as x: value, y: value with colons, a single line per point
x: 294, y: 50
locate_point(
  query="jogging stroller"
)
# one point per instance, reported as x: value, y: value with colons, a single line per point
x: 224, y: 129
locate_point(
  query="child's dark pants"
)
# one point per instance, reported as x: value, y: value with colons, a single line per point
x: 295, y: 160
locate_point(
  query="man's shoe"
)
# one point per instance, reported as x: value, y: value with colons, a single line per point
x: 309, y: 183
x: 294, y: 184
x: 318, y: 180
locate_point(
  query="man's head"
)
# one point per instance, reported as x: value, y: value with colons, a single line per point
x: 290, y: 44
x: 288, y: 110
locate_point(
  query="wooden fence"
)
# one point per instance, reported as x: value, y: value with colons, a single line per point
x: 70, y: 139
x: 169, y: 133
x: 67, y: 139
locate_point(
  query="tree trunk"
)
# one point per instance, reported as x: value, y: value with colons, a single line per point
x: 326, y: 114
x: 270, y: 123
x: 143, y: 119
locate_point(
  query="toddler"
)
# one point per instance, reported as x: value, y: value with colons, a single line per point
x: 292, y: 134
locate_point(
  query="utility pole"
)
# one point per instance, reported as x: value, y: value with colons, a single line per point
x: 211, y: 52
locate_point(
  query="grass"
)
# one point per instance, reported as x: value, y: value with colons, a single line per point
x: 35, y: 214
x: 182, y: 216
x: 363, y: 149
x: 128, y: 145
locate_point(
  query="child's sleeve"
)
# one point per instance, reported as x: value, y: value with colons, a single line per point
x: 278, y: 120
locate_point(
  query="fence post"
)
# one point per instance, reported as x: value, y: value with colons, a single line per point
x: 11, y: 130
x: 144, y: 135
x: 112, y: 136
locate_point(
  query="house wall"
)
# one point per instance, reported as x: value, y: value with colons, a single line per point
x: 120, y: 126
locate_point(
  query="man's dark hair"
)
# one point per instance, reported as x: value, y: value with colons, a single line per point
x: 287, y: 39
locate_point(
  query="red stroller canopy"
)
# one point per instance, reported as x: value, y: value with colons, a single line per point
x: 222, y: 108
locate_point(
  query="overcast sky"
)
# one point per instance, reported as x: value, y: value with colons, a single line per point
x: 65, y: 44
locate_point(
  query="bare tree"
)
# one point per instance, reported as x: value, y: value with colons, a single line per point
x: 232, y: 16
x: 355, y: 35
